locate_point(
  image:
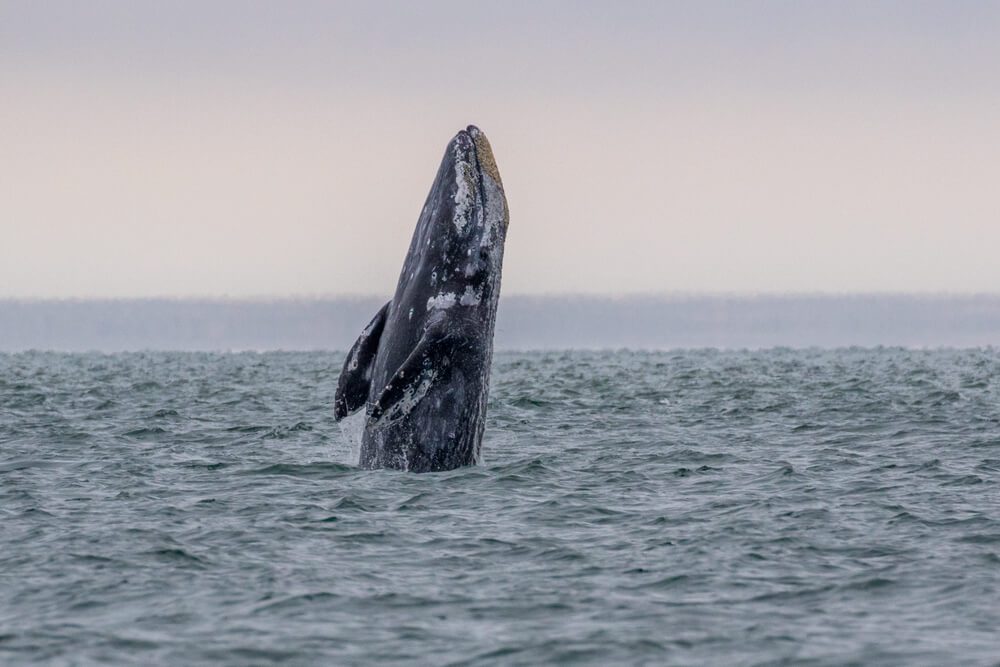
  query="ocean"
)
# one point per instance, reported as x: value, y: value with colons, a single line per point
x: 692, y: 507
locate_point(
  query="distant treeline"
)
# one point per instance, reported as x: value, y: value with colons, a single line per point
x: 542, y: 322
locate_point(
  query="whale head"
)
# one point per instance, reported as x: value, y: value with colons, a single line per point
x: 457, y: 250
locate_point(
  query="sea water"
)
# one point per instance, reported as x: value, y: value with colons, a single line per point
x: 690, y: 507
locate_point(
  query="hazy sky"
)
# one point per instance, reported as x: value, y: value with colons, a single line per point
x: 272, y: 148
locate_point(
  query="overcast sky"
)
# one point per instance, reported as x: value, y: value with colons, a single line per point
x: 270, y: 148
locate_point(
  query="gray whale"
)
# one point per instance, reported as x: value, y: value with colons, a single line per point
x: 421, y: 368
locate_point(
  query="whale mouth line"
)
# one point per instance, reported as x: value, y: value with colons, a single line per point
x: 470, y: 133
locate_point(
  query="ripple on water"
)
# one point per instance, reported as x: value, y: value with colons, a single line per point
x: 688, y: 507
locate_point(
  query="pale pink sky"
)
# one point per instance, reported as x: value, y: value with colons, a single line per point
x: 273, y: 149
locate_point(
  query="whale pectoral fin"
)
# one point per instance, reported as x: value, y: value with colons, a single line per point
x: 356, y: 376
x: 410, y: 383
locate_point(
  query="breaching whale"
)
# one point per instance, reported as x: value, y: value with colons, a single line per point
x: 421, y: 368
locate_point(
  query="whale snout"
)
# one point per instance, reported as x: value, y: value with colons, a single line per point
x: 471, y: 195
x: 472, y: 145
x: 463, y: 147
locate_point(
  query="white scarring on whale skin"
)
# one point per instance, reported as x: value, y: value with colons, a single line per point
x: 404, y: 406
x: 470, y: 298
x: 463, y: 193
x: 442, y: 301
x: 448, y: 299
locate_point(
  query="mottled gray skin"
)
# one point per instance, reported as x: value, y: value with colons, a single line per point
x: 421, y: 368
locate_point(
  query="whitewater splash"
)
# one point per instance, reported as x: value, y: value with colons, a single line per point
x: 351, y: 430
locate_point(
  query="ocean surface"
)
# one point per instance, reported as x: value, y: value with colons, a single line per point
x: 696, y: 507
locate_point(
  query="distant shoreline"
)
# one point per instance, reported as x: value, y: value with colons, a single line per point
x: 524, y: 322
